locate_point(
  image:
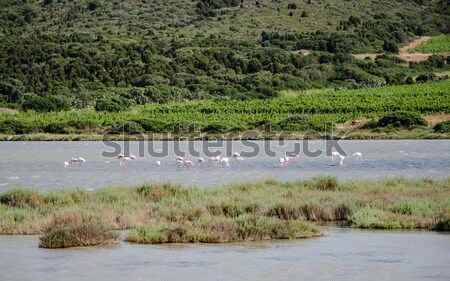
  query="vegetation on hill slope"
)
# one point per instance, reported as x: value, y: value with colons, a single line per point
x: 86, y: 52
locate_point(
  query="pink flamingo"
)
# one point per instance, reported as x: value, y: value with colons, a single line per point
x: 189, y: 164
x: 179, y: 163
x: 334, y: 156
x: 358, y: 155
x: 124, y: 160
x: 201, y: 161
x: 224, y: 162
x: 79, y: 161
x: 342, y: 158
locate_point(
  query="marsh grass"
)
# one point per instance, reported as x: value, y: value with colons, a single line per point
x: 73, y: 230
x: 268, y: 209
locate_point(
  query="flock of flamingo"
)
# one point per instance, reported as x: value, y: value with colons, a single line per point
x: 215, y: 161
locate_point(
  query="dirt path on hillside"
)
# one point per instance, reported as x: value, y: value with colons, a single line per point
x: 413, y: 44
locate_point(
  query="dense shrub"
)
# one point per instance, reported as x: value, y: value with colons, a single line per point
x: 442, y: 127
x: 214, y: 128
x: 128, y: 127
x: 107, y: 105
x: 152, y: 125
x: 16, y: 127
x: 295, y: 123
x: 402, y: 119
x: 56, y: 128
x: 45, y: 104
x: 83, y: 124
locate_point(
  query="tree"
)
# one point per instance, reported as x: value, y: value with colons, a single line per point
x: 390, y: 46
x: 11, y: 90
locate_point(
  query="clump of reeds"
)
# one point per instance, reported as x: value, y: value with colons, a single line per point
x: 74, y: 230
x: 323, y: 183
x: 211, y: 229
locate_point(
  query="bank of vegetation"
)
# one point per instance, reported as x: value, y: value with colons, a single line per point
x: 296, y: 111
x: 269, y: 209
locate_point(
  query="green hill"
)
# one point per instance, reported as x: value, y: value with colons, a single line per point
x: 80, y: 52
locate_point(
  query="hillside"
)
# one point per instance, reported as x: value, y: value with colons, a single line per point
x: 62, y: 54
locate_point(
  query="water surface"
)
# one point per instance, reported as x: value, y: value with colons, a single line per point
x: 342, y: 254
x: 40, y: 164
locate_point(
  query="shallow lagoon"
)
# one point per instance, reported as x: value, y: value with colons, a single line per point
x: 342, y: 254
x: 40, y: 164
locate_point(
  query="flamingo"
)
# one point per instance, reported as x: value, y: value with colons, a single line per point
x: 125, y: 160
x: 287, y: 159
x: 282, y: 162
x: 342, y: 158
x: 200, y: 161
x: 335, y: 155
x: 293, y: 157
x: 179, y: 158
x: 79, y: 161
x: 358, y: 155
x: 214, y: 161
x: 225, y: 162
x: 239, y: 159
x: 189, y: 164
x: 179, y: 163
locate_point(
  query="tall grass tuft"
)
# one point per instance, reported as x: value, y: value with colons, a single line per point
x: 74, y: 230
x: 323, y: 183
x: 21, y: 198
x: 156, y: 192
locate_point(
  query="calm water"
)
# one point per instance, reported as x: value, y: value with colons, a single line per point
x: 343, y: 254
x: 40, y: 164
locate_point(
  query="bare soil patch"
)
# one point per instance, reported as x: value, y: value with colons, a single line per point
x: 8, y: 111
x: 436, y: 118
x: 302, y: 51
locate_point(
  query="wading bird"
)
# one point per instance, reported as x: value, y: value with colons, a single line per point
x: 358, y: 155
x: 201, y: 161
x: 342, y: 158
x: 334, y: 156
x: 282, y: 162
x: 224, y: 162
x: 179, y: 163
x: 79, y: 161
x: 189, y: 164
x: 124, y: 160
x: 214, y: 161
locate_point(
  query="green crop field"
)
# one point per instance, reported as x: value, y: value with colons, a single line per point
x: 439, y: 43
